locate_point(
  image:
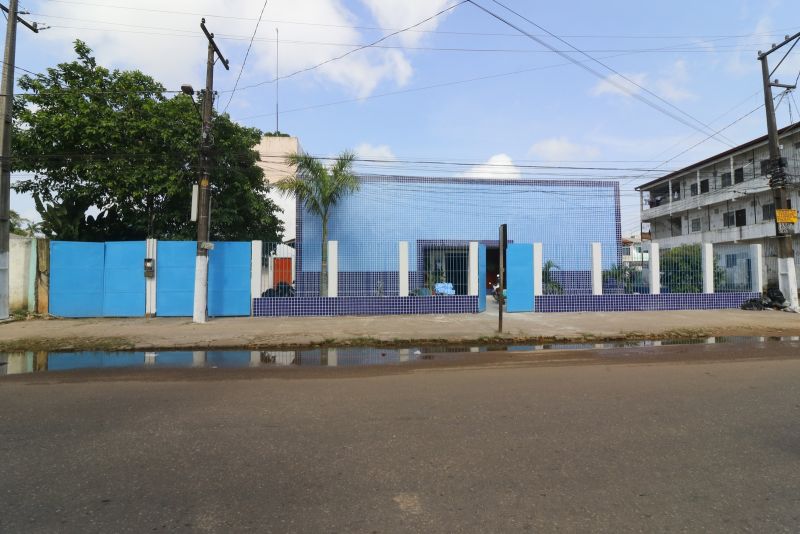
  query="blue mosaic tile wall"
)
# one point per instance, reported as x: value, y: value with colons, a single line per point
x: 442, y: 211
x: 330, y: 306
x: 675, y: 301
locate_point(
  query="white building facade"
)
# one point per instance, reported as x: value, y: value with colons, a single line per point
x: 724, y: 200
x: 273, y: 151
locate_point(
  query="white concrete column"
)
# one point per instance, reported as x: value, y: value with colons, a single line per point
x: 756, y: 268
x: 198, y: 358
x: 472, y: 288
x: 655, y: 269
x: 32, y: 269
x: 402, y: 268
x: 708, y: 267
x: 538, y: 265
x: 150, y: 358
x: 333, y: 268
x: 256, y: 250
x: 597, y: 269
x: 787, y: 281
x: 333, y: 358
x: 150, y: 283
x: 255, y: 358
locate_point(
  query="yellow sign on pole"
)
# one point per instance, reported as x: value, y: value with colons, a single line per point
x: 783, y: 216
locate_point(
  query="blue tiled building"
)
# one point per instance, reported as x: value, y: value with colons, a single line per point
x: 443, y: 215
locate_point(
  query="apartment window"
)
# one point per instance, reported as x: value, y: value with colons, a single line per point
x: 626, y: 251
x: 704, y: 186
x: 726, y: 179
x: 735, y: 218
x: 675, y: 226
x: 696, y: 225
x: 693, y: 190
x: 741, y: 217
x: 768, y: 212
x: 764, y: 167
x: 738, y: 175
x: 728, y: 219
x: 730, y: 261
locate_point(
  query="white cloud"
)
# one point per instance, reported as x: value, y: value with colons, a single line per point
x: 377, y: 152
x: 562, y: 149
x: 398, y: 14
x: 499, y: 166
x: 670, y: 85
x: 172, y: 48
x: 616, y: 84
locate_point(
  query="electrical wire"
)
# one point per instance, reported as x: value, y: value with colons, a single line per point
x: 596, y: 73
x: 246, y: 55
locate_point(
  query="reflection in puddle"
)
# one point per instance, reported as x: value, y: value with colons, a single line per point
x: 32, y: 362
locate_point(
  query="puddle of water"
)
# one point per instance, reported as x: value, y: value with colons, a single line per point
x: 33, y: 362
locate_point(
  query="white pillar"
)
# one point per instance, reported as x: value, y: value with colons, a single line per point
x: 473, y: 269
x: 256, y: 250
x: 655, y: 269
x: 198, y: 358
x: 255, y: 358
x: 150, y: 284
x: 333, y: 268
x: 756, y: 268
x: 787, y: 280
x: 150, y: 358
x: 402, y: 269
x: 597, y: 269
x: 538, y: 265
x: 333, y: 358
x: 708, y: 267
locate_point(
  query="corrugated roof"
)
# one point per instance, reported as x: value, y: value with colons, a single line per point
x: 727, y: 153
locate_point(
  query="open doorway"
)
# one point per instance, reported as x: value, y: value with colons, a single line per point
x: 492, y: 267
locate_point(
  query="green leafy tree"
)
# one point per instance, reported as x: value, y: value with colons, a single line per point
x: 682, y: 270
x: 110, y: 143
x: 549, y: 284
x: 319, y: 189
x: 628, y: 278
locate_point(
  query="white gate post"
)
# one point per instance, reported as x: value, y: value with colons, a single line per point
x: 256, y: 250
x: 655, y: 269
x: 708, y: 267
x: 538, y: 265
x: 333, y: 269
x: 473, y: 269
x: 151, y: 249
x: 597, y: 269
x: 402, y: 269
x: 756, y: 268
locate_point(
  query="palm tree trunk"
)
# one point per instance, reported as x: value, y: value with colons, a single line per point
x: 323, y: 273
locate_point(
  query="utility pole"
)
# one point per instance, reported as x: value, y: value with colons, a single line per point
x: 7, y: 110
x: 277, y: 80
x: 200, y: 311
x: 785, y: 217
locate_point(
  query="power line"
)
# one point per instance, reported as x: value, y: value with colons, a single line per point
x: 385, y: 37
x: 246, y: 55
x: 594, y: 72
x: 376, y: 28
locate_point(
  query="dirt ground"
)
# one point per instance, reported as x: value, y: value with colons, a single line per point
x: 261, y: 333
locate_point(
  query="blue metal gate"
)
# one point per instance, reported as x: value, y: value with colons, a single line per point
x: 229, y: 279
x: 76, y: 279
x: 175, y: 278
x: 519, y: 277
x: 123, y: 279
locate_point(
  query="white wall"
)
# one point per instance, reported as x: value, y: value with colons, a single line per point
x: 273, y: 151
x: 19, y: 272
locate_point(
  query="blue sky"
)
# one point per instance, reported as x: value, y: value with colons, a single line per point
x: 531, y: 107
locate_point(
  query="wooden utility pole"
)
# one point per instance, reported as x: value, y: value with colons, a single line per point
x: 200, y: 309
x: 785, y: 217
x: 7, y: 110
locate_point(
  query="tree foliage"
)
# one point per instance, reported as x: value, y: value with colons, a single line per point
x: 682, y: 270
x: 113, y: 158
x: 319, y: 189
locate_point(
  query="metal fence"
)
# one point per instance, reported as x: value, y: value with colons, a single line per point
x: 566, y: 269
x: 682, y: 269
x: 732, y: 268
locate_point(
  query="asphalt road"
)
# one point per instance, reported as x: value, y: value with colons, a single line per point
x: 601, y: 447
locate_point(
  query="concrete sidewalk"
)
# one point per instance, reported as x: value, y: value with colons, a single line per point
x: 246, y: 332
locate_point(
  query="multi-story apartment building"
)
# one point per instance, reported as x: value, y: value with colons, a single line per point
x: 725, y: 200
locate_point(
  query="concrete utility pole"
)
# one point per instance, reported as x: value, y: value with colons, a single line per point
x: 200, y: 310
x: 7, y: 110
x: 785, y: 217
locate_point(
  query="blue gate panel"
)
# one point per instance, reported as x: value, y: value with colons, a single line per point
x: 229, y: 279
x: 481, y: 277
x: 76, y: 279
x: 175, y: 278
x: 175, y: 359
x: 519, y: 277
x: 64, y: 361
x: 124, y: 283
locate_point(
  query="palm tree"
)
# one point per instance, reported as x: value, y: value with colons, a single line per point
x: 320, y: 188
